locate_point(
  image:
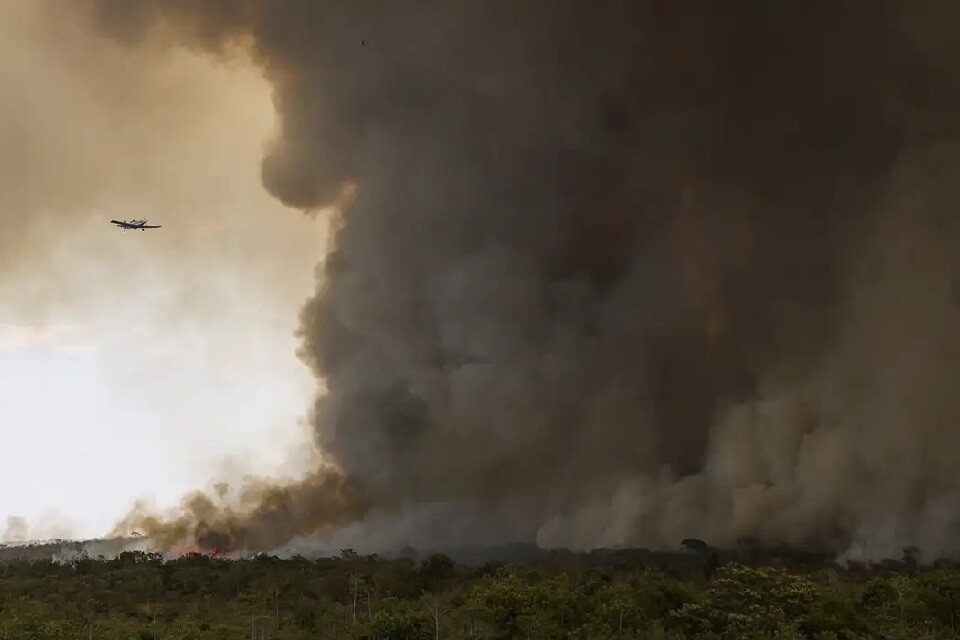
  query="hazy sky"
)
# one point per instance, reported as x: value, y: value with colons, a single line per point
x: 138, y: 364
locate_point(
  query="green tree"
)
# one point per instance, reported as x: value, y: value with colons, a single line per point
x: 748, y: 601
x: 401, y: 625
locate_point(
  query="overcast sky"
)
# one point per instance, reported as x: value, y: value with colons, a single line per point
x: 138, y: 364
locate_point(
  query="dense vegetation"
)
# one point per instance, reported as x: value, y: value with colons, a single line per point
x: 138, y: 595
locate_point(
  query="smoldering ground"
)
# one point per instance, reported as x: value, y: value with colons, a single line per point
x: 619, y: 274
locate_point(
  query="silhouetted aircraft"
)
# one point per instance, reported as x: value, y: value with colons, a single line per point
x: 134, y: 224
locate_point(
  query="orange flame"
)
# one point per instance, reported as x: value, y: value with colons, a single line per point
x: 191, y: 547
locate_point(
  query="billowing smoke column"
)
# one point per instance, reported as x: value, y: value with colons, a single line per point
x: 617, y: 273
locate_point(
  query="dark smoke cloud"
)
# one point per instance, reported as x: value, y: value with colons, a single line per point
x: 603, y: 262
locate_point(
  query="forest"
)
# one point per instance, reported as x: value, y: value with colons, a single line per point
x: 611, y: 594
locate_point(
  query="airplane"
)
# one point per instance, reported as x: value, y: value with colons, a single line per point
x: 134, y: 224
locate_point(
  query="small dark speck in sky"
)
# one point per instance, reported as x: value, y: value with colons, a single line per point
x: 361, y: 42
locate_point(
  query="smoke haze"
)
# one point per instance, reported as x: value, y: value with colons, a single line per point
x: 114, y: 346
x: 612, y: 276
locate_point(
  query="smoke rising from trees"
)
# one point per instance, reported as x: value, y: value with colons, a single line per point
x: 617, y: 275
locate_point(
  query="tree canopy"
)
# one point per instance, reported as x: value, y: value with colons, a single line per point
x: 139, y: 595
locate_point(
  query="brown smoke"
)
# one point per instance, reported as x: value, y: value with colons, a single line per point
x: 262, y: 516
x: 614, y: 254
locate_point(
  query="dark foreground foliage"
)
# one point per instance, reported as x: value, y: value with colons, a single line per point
x: 139, y: 596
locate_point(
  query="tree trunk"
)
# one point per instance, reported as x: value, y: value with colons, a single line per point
x: 354, y: 601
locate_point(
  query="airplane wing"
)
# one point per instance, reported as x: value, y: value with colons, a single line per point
x: 125, y: 225
x: 150, y: 226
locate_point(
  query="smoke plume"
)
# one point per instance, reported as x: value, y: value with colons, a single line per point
x: 262, y: 514
x: 619, y: 274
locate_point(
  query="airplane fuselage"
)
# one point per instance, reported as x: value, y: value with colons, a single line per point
x: 134, y: 224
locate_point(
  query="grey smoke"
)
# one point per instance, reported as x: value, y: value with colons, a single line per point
x: 622, y: 274
x: 16, y: 529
